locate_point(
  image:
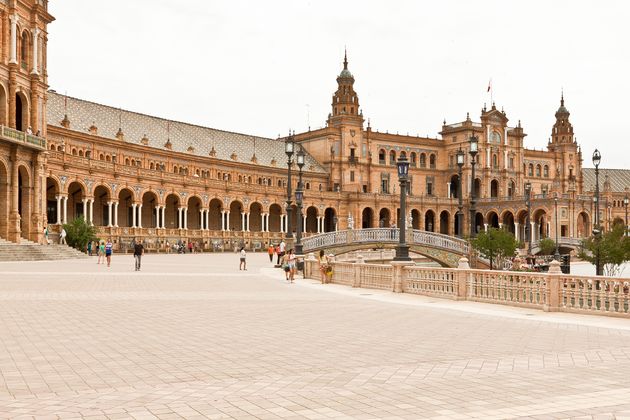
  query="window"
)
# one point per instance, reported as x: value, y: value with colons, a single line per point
x: 450, y: 161
x: 413, y: 159
x: 511, y: 163
x: 495, y: 162
x: 24, y: 50
x: 530, y: 170
x: 546, y: 171
x: 423, y: 160
x: 429, y: 185
x: 538, y: 170
x: 352, y: 175
x: 352, y: 153
x: 381, y: 157
x: 392, y: 157
x: 385, y: 183
x: 432, y: 161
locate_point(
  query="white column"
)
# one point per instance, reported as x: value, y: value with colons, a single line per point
x: 59, y: 199
x: 35, y: 58
x: 227, y: 220
x: 179, y: 218
x: 505, y: 159
x: 262, y: 221
x: 207, y: 219
x: 140, y: 215
x: 487, y: 157
x: 282, y: 223
x: 86, y: 211
x: 548, y: 229
x: 304, y: 224
x: 91, y: 203
x: 516, y: 231
x: 65, y: 209
x: 448, y: 190
x: 133, y: 215
x: 116, y: 214
x: 157, y: 216
x: 185, y: 216
x: 222, y: 220
x: 109, y: 214
x: 533, y: 231
x: 163, y: 211
x: 485, y: 227
x: 319, y: 224
x: 13, y: 52
x: 243, y: 222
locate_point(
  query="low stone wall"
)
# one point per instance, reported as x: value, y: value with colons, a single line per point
x: 552, y: 291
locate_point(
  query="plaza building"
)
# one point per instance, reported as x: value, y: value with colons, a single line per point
x: 133, y: 175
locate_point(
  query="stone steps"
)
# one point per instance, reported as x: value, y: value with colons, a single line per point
x: 30, y: 251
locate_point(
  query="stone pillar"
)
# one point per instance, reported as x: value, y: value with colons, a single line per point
x: 397, y: 275
x: 116, y: 214
x: 35, y: 52
x: 304, y: 224
x: 59, y: 200
x: 201, y: 219
x: 86, y: 211
x: 227, y: 220
x: 109, y: 214
x: 140, y: 215
x: 282, y: 223
x: 533, y: 231
x: 207, y: 219
x: 133, y: 215
x: 319, y: 224
x: 222, y: 220
x: 179, y: 218
x: 262, y: 222
x: 553, y: 286
x: 462, y: 276
x: 485, y: 227
x: 65, y: 209
x: 163, y: 211
x: 448, y: 190
x: 13, y: 52
x: 91, y: 203
x: 157, y: 217
x: 517, y: 234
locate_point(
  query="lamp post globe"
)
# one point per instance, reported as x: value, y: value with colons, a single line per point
x: 402, y: 250
x: 474, y: 148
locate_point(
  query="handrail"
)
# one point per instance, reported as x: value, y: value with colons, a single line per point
x: 17, y: 136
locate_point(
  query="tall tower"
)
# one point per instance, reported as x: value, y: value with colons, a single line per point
x: 567, y: 173
x: 345, y: 101
x: 562, y: 132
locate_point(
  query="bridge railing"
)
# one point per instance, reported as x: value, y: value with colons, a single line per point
x: 384, y: 235
x: 554, y: 291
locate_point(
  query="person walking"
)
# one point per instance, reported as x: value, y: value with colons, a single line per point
x: 190, y: 247
x: 323, y: 266
x: 138, y: 251
x: 89, y: 248
x: 62, y: 237
x: 271, y: 251
x: 100, y: 252
x: 108, y: 251
x: 46, y: 235
x: 292, y: 265
x: 282, y: 248
x: 243, y: 264
x: 284, y: 263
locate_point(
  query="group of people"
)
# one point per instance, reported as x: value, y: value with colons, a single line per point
x: 285, y: 259
x: 103, y: 251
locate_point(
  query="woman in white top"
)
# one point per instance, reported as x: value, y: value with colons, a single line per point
x: 243, y: 265
x: 292, y: 265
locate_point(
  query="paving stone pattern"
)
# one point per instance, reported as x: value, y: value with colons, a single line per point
x: 192, y: 337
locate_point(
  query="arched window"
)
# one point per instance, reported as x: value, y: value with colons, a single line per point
x: 88, y: 154
x: 423, y: 160
x: 530, y: 170
x: 74, y: 151
x: 546, y: 171
x: 413, y: 159
x: 59, y: 149
x: 52, y: 147
x: 80, y: 153
x: 538, y: 170
x: 108, y: 158
x: 279, y: 183
x: 308, y: 185
x: 432, y: 161
x: 392, y: 157
x: 381, y: 157
x: 24, y: 50
x: 495, y: 161
x: 403, y: 154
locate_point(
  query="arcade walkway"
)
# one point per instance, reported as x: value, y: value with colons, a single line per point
x: 192, y: 337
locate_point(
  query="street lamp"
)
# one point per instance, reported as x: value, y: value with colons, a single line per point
x: 597, y: 158
x: 625, y: 203
x: 402, y: 250
x: 289, y: 146
x: 474, y: 144
x: 460, y: 215
x: 556, y: 256
x: 528, y: 222
x: 299, y: 195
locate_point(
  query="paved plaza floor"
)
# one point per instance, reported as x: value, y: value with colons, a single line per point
x: 191, y: 336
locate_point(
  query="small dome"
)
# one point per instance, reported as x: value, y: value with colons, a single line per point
x: 346, y: 73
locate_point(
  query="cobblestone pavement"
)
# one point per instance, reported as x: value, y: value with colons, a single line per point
x: 191, y: 337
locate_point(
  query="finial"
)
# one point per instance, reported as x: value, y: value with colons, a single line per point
x: 444, y: 122
x: 519, y: 123
x: 561, y: 96
x: 345, y: 59
x: 468, y: 115
x: 369, y: 123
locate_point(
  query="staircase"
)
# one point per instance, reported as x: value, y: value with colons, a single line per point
x: 31, y: 251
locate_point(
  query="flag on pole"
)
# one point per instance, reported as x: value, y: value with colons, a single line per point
x: 489, y: 85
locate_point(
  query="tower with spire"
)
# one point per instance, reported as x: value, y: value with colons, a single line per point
x: 562, y: 132
x: 345, y: 101
x: 567, y: 173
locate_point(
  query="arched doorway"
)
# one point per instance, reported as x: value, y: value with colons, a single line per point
x: 76, y: 194
x: 4, y: 204
x: 479, y: 223
x: 125, y: 209
x: 215, y: 221
x: 429, y: 221
x: 311, y: 219
x: 477, y: 184
x: 275, y: 211
x: 255, y: 218
x: 21, y: 112
x: 493, y: 220
x: 367, y: 218
x: 444, y: 222
x: 384, y: 218
x: 541, y: 229
x: 583, y: 226
x: 511, y: 190
x: 415, y: 219
x: 494, y: 188
x: 454, y: 186
x: 171, y: 216
x: 101, y: 209
x: 149, y: 204
x: 508, y: 222
x: 330, y: 220
x: 3, y: 106
x: 523, y: 229
x: 194, y: 212
x: 52, y: 191
x: 236, y: 208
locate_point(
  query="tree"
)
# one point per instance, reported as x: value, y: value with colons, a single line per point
x: 614, y: 250
x: 79, y: 233
x: 495, y: 244
x: 547, y: 246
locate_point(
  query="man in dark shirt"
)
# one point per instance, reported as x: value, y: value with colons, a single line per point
x: 138, y: 250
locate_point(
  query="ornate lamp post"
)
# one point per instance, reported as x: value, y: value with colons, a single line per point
x: 289, y: 147
x: 528, y: 220
x: 460, y: 205
x: 556, y: 255
x: 626, y: 200
x: 597, y: 158
x: 402, y: 250
x: 474, y: 144
x: 299, y: 195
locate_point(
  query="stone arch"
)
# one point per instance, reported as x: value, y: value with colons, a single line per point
x: 215, y: 217
x: 255, y: 217
x: 492, y: 219
x: 194, y: 206
x: 4, y: 118
x: 4, y: 199
x: 384, y: 217
x: 444, y: 222
x: 311, y: 219
x: 494, y: 188
x: 275, y: 211
x: 423, y: 160
x: 76, y: 194
x: 330, y: 220
x: 392, y: 157
x: 367, y: 218
x: 102, y: 195
x: 511, y: 188
x: 583, y: 225
x: 236, y: 208
x: 126, y: 198
x: 150, y: 201
x: 429, y: 221
x: 171, y: 213
x: 432, y: 161
x: 53, y: 189
x: 22, y: 113
x: 454, y: 186
x: 507, y: 218
x: 541, y: 229
x: 415, y: 219
x: 479, y: 222
x: 25, y: 201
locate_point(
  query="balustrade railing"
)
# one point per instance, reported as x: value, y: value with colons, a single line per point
x: 603, y: 295
x: 375, y: 276
x: 17, y: 136
x: 507, y: 287
x: 439, y: 282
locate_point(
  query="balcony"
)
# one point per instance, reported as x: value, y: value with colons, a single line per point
x: 19, y: 137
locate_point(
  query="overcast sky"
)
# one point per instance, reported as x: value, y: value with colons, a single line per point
x: 263, y: 67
